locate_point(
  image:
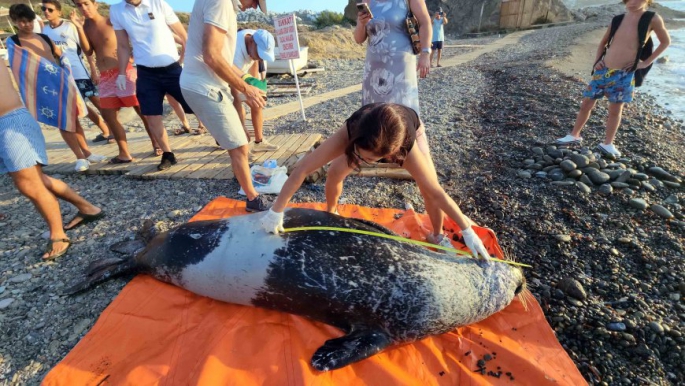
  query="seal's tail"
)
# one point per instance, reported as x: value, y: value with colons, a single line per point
x: 102, y: 270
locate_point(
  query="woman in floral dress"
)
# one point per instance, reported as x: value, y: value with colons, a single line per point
x: 390, y: 70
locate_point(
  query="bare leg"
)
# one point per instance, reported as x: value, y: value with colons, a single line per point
x: 241, y: 169
x: 111, y: 116
x: 72, y: 141
x: 157, y: 132
x: 146, y: 124
x: 613, y: 122
x: 431, y: 57
x: 257, y: 124
x: 178, y: 109
x: 66, y: 193
x: 439, y: 56
x: 81, y: 138
x: 583, y: 115
x: 29, y: 183
x: 241, y: 111
x: 95, y: 118
x: 334, y: 182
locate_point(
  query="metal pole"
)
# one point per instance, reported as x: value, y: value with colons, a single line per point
x: 482, y: 7
x: 297, y: 84
x: 11, y: 26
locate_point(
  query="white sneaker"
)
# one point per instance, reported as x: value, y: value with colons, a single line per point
x: 82, y: 165
x: 264, y: 146
x: 251, y: 156
x: 95, y: 158
x: 569, y: 140
x: 609, y: 150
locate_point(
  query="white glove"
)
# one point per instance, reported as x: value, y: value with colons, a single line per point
x: 272, y: 222
x: 121, y: 82
x: 475, y: 244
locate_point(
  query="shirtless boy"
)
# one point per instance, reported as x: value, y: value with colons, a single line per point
x: 22, y: 154
x: 23, y: 16
x: 103, y: 42
x: 69, y: 37
x: 614, y: 74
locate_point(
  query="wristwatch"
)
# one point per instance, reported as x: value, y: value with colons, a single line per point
x: 426, y: 51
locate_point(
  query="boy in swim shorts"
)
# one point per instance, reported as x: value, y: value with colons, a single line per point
x: 614, y: 73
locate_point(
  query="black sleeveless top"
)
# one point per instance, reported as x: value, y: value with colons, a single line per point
x: 409, y: 116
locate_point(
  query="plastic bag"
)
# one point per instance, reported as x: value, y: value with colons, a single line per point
x: 268, y: 180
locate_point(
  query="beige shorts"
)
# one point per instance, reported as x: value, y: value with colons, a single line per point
x: 215, y: 109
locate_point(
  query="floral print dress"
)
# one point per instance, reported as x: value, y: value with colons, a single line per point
x: 390, y: 68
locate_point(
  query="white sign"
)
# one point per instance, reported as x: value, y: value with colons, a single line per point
x: 286, y: 35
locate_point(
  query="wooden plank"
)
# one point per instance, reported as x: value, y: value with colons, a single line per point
x: 227, y: 172
x: 186, y: 159
x: 279, y: 140
x: 149, y: 164
x: 209, y: 156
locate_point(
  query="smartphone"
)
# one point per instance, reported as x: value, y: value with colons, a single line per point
x: 364, y: 8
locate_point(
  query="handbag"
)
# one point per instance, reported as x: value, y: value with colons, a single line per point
x: 413, y: 30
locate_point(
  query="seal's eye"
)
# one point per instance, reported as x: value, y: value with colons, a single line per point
x: 518, y: 289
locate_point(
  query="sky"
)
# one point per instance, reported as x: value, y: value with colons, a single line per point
x: 273, y: 5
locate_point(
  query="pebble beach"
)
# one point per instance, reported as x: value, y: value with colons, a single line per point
x: 605, y: 237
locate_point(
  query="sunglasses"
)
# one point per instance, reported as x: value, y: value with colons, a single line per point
x: 48, y: 10
x: 362, y: 159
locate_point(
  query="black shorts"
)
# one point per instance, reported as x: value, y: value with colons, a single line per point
x: 154, y: 83
x: 87, y: 88
x: 436, y: 45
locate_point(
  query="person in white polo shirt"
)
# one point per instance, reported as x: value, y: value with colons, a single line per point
x: 253, y: 47
x: 205, y: 81
x: 148, y: 26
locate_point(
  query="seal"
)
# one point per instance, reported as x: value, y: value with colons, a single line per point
x: 380, y: 292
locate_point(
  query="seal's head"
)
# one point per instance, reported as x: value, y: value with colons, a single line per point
x: 503, y: 283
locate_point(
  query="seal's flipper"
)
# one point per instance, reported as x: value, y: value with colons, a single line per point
x: 128, y: 248
x: 357, y: 345
x: 102, y: 270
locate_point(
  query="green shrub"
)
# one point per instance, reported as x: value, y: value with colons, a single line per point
x: 329, y: 18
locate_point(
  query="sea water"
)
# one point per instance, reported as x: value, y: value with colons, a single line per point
x: 666, y: 81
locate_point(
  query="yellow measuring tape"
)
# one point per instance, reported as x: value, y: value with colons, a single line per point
x: 400, y: 239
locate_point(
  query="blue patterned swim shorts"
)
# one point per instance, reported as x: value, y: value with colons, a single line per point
x: 22, y: 144
x: 617, y: 85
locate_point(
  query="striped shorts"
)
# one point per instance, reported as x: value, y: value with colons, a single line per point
x: 22, y: 144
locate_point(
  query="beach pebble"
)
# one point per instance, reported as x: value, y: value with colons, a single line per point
x: 656, y: 327
x: 638, y: 203
x: 20, y: 278
x: 580, y: 160
x: 524, y: 174
x: 575, y: 173
x: 568, y: 165
x: 4, y: 303
x: 671, y: 184
x: 606, y: 189
x: 583, y: 188
x: 573, y: 288
x: 563, y: 238
x: 616, y: 326
x: 619, y: 185
x: 662, y: 174
x: 661, y: 211
x: 598, y: 177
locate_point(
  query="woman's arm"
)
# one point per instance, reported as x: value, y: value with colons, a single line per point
x: 329, y: 150
x: 417, y: 166
x: 418, y: 8
x: 360, y: 30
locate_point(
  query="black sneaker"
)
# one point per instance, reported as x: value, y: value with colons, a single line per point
x: 168, y: 159
x: 259, y: 204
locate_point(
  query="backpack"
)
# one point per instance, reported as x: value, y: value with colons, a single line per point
x: 645, y: 48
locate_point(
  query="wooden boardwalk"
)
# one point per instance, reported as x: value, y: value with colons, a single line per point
x: 198, y: 156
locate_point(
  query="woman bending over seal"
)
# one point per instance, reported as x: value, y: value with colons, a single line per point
x: 374, y: 132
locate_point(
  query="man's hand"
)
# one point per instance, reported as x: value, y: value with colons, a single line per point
x: 475, y: 244
x: 254, y: 97
x: 642, y: 65
x: 121, y: 82
x: 272, y: 222
x: 600, y: 65
x: 76, y: 18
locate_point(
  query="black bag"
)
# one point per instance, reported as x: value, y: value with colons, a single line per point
x: 413, y: 30
x: 646, y: 47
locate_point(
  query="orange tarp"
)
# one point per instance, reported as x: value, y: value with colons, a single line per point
x: 157, y: 334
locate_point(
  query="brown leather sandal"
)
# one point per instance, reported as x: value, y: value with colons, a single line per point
x: 50, y: 248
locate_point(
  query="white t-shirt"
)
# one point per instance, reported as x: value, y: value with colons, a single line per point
x: 36, y: 25
x: 242, y: 59
x: 147, y: 26
x: 66, y: 37
x: 198, y: 76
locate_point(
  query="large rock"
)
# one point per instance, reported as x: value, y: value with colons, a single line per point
x: 464, y: 15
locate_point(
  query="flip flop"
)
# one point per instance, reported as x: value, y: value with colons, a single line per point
x: 117, y: 161
x: 50, y: 248
x: 86, y: 219
x: 182, y: 130
x: 100, y: 138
